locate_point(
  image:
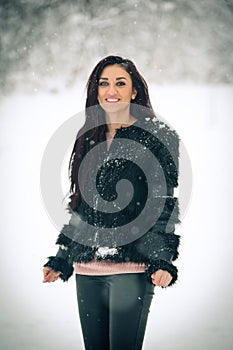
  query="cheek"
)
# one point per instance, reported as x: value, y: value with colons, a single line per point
x: 99, y: 95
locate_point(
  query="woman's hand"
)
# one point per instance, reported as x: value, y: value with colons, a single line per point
x: 50, y: 275
x: 161, y: 278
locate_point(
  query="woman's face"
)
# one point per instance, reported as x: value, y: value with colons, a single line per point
x: 115, y: 90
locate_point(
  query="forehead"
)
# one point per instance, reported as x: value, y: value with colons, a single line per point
x: 114, y: 71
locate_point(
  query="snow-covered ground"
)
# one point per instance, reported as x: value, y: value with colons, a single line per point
x: 197, y: 312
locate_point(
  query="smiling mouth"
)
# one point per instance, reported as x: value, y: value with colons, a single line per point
x: 112, y: 100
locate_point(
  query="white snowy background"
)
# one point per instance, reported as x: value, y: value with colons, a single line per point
x: 184, y: 51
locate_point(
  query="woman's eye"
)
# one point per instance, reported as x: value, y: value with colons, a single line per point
x: 103, y: 83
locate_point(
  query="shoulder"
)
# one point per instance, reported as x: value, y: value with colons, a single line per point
x: 161, y: 129
x: 157, y: 131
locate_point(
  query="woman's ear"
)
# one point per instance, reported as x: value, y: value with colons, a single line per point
x: 134, y: 94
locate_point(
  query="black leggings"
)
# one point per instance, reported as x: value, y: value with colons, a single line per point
x: 113, y: 310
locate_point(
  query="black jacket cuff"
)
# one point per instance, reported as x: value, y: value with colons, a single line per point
x: 61, y: 265
x: 162, y: 265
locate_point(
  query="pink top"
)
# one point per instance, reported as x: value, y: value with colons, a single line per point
x: 107, y: 267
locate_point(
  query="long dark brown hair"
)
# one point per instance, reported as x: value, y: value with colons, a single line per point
x: 95, y: 123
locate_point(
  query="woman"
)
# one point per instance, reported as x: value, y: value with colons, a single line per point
x: 120, y: 241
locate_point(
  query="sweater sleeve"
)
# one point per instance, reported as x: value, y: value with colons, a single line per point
x: 163, y: 259
x: 62, y: 261
x: 161, y: 243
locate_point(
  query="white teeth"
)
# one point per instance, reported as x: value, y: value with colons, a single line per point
x: 112, y: 99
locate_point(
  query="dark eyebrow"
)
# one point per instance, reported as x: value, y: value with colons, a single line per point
x: 119, y: 78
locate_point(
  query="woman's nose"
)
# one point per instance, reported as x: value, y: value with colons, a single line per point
x: 112, y: 90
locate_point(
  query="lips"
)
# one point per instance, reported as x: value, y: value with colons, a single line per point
x: 112, y: 100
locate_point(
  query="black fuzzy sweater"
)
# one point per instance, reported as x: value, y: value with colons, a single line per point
x: 137, y: 219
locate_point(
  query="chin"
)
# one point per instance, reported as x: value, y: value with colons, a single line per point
x: 115, y: 107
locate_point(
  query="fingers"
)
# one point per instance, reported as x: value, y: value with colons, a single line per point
x: 50, y: 275
x: 161, y: 278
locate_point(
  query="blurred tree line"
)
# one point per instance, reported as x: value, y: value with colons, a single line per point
x: 48, y: 45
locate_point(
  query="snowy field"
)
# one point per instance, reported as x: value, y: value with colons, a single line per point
x: 197, y: 312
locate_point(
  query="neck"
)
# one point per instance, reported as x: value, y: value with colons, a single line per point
x: 115, y: 121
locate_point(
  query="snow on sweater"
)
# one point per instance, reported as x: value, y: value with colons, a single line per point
x: 107, y: 267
